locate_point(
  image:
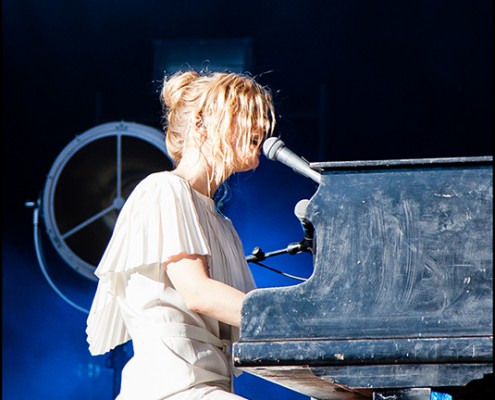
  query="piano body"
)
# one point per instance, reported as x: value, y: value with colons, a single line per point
x: 400, y: 303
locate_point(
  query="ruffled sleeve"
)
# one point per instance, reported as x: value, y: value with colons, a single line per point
x: 158, y: 221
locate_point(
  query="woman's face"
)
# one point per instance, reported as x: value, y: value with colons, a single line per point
x: 250, y: 159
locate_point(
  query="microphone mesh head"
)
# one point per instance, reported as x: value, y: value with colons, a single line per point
x: 300, y: 208
x: 271, y: 147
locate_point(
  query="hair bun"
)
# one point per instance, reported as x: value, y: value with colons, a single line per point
x: 174, y: 86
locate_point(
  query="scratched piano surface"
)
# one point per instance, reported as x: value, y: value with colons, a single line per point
x: 400, y: 300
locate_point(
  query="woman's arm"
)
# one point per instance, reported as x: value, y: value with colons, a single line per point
x: 202, y: 294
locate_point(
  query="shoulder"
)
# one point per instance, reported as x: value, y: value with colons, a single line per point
x: 163, y: 181
x: 161, y: 177
x: 159, y: 189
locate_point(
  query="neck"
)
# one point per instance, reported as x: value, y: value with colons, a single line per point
x: 197, y: 172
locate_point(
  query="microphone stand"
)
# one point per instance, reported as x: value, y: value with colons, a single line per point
x: 258, y: 255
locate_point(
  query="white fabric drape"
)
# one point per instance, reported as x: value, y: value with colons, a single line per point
x: 164, y: 217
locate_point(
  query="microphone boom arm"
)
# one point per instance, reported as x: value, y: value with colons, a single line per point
x: 294, y: 248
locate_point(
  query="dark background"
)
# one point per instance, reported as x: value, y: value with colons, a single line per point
x: 353, y: 80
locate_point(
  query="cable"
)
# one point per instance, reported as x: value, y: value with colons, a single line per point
x: 279, y: 272
x: 258, y: 255
x: 41, y: 262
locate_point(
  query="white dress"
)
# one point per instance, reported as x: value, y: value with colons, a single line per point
x: 178, y: 354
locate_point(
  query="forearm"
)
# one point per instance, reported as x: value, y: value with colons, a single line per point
x: 219, y: 301
x: 202, y: 294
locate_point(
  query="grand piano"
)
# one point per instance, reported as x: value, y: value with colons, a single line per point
x: 400, y: 302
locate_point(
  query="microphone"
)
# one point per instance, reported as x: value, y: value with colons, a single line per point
x: 274, y: 149
x: 307, y: 226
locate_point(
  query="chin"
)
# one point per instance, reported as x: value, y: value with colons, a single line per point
x: 251, y: 166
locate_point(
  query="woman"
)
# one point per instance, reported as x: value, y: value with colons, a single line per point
x: 173, y: 277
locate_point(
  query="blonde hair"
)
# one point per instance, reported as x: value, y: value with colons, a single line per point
x: 236, y: 110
